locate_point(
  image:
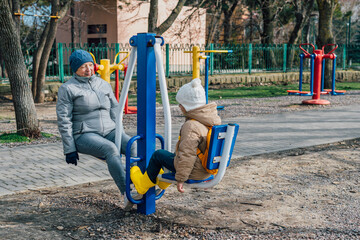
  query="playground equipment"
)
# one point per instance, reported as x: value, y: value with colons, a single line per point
x: 105, y: 69
x: 317, y: 68
x: 128, y: 109
x: 147, y: 52
x: 20, y: 14
x: 196, y: 65
x: 221, y: 145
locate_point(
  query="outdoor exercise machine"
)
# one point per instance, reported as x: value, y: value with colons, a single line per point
x: 128, y: 109
x: 146, y: 51
x: 317, y: 68
x: 105, y: 69
x: 196, y: 66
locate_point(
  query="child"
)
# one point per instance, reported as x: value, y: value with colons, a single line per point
x: 185, y: 162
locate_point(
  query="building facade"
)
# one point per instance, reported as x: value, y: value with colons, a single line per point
x: 112, y: 21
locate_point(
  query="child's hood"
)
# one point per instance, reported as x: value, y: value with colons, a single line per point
x: 206, y: 114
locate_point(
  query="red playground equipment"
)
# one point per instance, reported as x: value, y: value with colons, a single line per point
x: 317, y: 75
x: 127, y: 109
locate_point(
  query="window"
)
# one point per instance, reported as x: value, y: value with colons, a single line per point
x: 98, y: 28
x: 96, y: 41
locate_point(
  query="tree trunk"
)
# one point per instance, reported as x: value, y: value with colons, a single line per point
x: 26, y: 119
x: 36, y: 60
x: 228, y: 12
x: 40, y: 95
x: 325, y: 35
x: 72, y: 26
x: 268, y: 26
x: 267, y: 35
x: 16, y: 8
x: 214, y: 22
x: 302, y: 12
x: 44, y: 49
x: 153, y: 17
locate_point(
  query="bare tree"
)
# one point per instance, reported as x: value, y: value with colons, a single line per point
x: 325, y: 35
x: 153, y: 17
x: 10, y: 49
x: 303, y: 9
x: 42, y: 53
x: 228, y: 8
x: 214, y: 21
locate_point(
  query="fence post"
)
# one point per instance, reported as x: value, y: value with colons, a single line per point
x: 61, y: 62
x: 344, y: 57
x: 117, y: 49
x: 167, y: 60
x: 211, y: 59
x: 284, y: 57
x: 250, y: 57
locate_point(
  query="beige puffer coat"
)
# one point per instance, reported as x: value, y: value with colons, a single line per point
x: 193, y: 136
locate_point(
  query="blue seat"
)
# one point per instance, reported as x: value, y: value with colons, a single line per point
x: 221, y: 146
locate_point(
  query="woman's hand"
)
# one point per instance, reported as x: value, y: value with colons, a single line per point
x: 180, y: 187
x: 72, y: 158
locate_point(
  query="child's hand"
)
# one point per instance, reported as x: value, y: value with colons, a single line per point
x: 180, y: 187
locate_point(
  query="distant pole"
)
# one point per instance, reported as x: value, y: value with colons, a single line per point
x: 61, y: 62
x: 250, y: 57
x: 349, y: 38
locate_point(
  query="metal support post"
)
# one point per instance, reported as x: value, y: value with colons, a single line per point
x: 146, y: 109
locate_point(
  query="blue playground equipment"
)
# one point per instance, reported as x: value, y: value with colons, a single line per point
x: 146, y: 50
x: 221, y: 145
x: 207, y: 81
x: 312, y: 57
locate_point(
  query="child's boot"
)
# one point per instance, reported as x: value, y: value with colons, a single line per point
x: 141, y: 181
x: 161, y: 184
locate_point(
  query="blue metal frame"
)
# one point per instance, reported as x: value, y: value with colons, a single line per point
x: 206, y: 78
x: 312, y: 74
x: 322, y: 75
x: 301, y: 71
x: 302, y: 56
x: 333, y: 91
x: 207, y: 82
x: 146, y: 117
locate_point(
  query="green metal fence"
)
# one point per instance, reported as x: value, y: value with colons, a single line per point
x: 244, y: 58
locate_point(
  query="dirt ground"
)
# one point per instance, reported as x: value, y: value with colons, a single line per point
x: 310, y: 193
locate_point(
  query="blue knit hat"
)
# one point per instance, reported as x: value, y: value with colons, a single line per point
x: 78, y: 58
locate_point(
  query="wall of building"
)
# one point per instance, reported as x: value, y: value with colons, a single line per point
x: 88, y: 13
x: 132, y: 19
x: 124, y: 21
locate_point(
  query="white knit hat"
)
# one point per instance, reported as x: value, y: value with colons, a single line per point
x: 191, y: 95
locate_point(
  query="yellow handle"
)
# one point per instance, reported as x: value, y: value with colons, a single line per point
x: 122, y: 59
x: 93, y: 57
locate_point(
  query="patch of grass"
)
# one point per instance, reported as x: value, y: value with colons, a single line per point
x: 13, y: 137
x: 347, y: 86
x: 46, y: 135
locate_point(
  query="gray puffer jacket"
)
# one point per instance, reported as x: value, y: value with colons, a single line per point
x: 85, y: 105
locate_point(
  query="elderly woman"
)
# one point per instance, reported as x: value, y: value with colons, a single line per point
x: 86, y: 109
